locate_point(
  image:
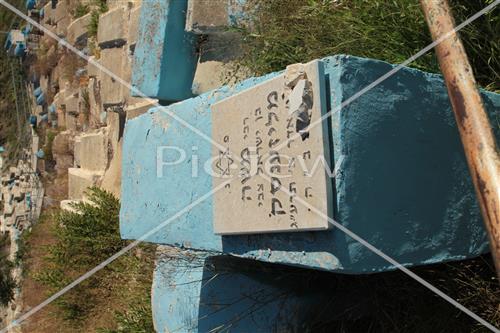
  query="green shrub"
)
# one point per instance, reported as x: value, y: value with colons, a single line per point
x: 84, y: 239
x: 81, y: 10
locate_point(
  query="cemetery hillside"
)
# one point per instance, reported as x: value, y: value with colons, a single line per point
x: 249, y: 166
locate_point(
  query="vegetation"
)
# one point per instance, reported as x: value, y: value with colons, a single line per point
x: 84, y: 239
x: 102, y: 7
x: 80, y: 10
x: 290, y: 31
x: 7, y: 283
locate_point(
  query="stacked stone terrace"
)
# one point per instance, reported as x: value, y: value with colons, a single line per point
x: 90, y: 107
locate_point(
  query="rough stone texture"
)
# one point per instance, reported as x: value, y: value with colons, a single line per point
x: 111, y: 90
x: 48, y: 13
x: 63, y: 163
x: 133, y: 26
x: 253, y: 205
x: 92, y: 70
x: 402, y: 184
x: 79, y: 180
x: 207, y: 16
x: 63, y: 143
x: 111, y: 32
x: 217, y: 64
x: 91, y: 151
x: 61, y: 12
x: 95, y: 103
x: 165, y: 55
x: 78, y: 30
x: 71, y: 103
x: 142, y: 107
x: 71, y: 122
x: 62, y: 26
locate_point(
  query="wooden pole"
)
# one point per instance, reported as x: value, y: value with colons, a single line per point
x: 475, y: 130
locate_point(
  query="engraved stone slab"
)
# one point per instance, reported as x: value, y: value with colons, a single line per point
x: 272, y: 156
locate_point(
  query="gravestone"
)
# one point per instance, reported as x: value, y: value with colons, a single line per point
x: 269, y: 153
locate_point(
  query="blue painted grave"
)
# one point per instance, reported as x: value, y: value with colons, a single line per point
x: 403, y: 184
x: 165, y: 55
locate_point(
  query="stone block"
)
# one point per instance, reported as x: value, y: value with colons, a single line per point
x: 62, y: 26
x: 91, y: 151
x: 79, y: 180
x: 48, y: 14
x: 63, y: 163
x: 71, y: 122
x: 111, y: 91
x: 401, y: 181
x: 92, y: 70
x: 207, y: 16
x: 71, y: 104
x: 63, y: 143
x: 142, y: 107
x: 111, y: 32
x: 61, y: 12
x: 215, y: 16
x: 133, y: 26
x: 78, y: 31
x: 165, y: 55
x: 95, y: 103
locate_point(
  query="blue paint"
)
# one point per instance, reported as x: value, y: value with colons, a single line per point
x: 37, y: 92
x: 30, y: 4
x: 165, y: 55
x: 52, y: 108
x: 33, y: 120
x: 200, y: 293
x: 403, y: 186
x: 40, y: 100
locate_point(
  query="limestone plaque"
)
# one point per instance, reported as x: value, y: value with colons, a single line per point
x: 274, y: 156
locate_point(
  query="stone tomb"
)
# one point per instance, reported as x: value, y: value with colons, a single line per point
x: 269, y: 155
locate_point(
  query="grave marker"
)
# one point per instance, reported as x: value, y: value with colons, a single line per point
x: 267, y: 128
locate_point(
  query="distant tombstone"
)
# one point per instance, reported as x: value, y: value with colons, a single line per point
x: 272, y: 156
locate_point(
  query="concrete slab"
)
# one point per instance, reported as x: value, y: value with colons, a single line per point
x: 71, y: 122
x: 133, y: 26
x: 79, y: 180
x: 61, y: 12
x: 207, y: 16
x: 71, y: 104
x: 92, y: 70
x: 215, y: 16
x: 142, y: 107
x: 62, y: 26
x: 48, y: 13
x: 398, y: 142
x: 264, y: 119
x: 165, y: 55
x: 78, y: 31
x: 111, y: 91
x: 91, y: 151
x: 111, y: 32
x: 95, y: 103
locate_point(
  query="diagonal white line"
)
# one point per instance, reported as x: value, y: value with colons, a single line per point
x: 385, y: 256
x: 395, y: 69
x: 117, y: 78
x: 352, y: 98
x: 112, y: 258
